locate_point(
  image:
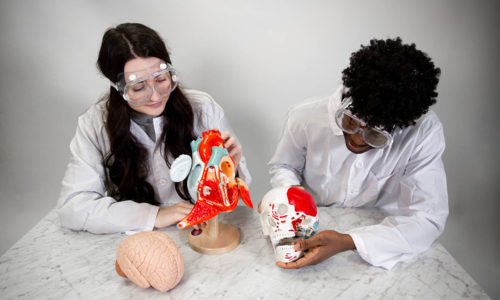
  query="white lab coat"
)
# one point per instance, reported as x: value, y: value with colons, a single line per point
x: 84, y: 204
x: 406, y: 179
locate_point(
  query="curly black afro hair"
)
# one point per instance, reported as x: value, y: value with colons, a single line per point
x: 391, y: 84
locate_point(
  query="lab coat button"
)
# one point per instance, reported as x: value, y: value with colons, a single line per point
x: 359, y: 164
x: 163, y: 181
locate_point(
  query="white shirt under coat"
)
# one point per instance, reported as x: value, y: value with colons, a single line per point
x: 84, y: 204
x: 406, y: 179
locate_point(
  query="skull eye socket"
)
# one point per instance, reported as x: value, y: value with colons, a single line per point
x: 282, y: 209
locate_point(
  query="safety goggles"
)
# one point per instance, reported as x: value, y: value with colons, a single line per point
x: 137, y: 87
x: 376, y: 137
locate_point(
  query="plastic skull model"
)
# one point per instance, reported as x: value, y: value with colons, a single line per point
x: 288, y: 214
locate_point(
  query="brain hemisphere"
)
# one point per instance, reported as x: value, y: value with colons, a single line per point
x: 150, y: 259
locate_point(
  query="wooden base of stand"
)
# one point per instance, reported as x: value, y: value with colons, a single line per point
x: 216, y: 238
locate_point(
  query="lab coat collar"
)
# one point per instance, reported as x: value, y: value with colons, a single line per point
x: 333, y: 105
x: 143, y: 137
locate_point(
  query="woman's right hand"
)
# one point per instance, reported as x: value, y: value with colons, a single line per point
x: 173, y: 214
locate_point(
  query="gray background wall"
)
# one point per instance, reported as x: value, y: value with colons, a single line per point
x: 256, y: 58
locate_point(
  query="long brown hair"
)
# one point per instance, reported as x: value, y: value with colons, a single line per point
x: 126, y: 163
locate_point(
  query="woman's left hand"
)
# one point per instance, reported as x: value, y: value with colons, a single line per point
x: 232, y: 147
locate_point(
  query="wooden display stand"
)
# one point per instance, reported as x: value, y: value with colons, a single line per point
x: 216, y: 238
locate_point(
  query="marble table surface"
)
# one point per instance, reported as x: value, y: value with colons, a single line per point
x: 51, y: 262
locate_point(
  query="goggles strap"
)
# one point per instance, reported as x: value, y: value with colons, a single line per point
x: 115, y: 86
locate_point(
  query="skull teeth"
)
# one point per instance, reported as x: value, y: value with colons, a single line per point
x: 287, y: 241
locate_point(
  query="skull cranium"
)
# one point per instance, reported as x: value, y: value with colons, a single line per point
x: 287, y: 214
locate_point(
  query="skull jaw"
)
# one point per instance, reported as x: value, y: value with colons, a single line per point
x: 286, y: 253
x: 283, y: 242
x: 284, y: 249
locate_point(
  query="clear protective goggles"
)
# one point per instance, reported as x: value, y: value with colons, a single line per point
x: 376, y: 137
x: 137, y: 87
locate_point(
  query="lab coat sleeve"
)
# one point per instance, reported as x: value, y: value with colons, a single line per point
x: 83, y: 203
x: 288, y: 161
x: 422, y: 203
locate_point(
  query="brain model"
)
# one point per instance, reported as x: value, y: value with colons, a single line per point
x: 150, y: 258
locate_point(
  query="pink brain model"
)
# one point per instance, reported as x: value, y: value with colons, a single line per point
x: 150, y: 258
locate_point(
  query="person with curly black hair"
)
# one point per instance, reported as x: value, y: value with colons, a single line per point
x: 373, y: 143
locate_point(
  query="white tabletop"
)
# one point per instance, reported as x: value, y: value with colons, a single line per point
x: 53, y: 262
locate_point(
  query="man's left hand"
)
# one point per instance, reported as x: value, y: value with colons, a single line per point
x: 320, y: 247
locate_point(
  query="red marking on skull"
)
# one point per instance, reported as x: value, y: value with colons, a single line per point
x: 302, y: 201
x: 298, y: 221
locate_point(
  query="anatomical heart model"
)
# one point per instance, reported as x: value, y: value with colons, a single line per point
x: 212, y: 181
x: 287, y: 215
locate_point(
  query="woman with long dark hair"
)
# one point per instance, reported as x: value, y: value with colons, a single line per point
x: 118, y: 176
